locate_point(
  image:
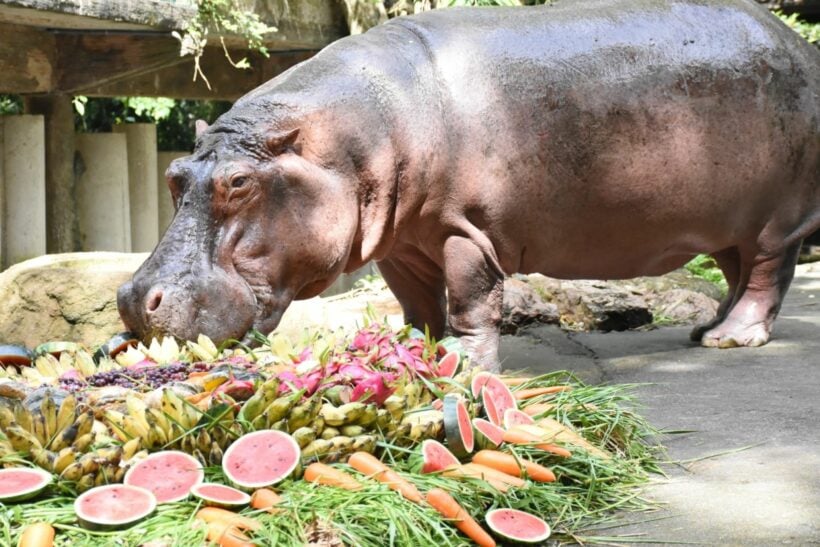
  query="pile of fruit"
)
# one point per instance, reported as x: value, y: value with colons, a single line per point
x: 126, y: 437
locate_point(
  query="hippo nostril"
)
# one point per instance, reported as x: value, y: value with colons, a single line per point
x: 153, y: 301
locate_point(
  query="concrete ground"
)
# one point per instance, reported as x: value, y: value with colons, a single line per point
x: 749, y: 472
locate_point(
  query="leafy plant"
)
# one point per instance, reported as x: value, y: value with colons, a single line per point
x: 809, y: 31
x: 222, y: 16
x: 705, y: 267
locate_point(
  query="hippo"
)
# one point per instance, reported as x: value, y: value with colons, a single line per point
x: 588, y: 139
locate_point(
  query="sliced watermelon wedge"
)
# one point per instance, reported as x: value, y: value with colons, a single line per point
x: 517, y: 526
x: 22, y: 483
x: 261, y: 458
x: 436, y: 457
x: 114, y: 506
x: 219, y: 495
x: 169, y: 475
x: 495, y: 395
x: 514, y: 417
x: 448, y: 365
x: 488, y: 435
x: 458, y: 427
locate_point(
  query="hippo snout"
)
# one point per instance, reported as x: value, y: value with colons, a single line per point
x: 211, y: 304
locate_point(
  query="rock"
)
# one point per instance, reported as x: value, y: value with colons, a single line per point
x: 70, y: 296
x: 682, y: 307
x: 523, y: 306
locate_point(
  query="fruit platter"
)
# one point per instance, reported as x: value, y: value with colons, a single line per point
x: 372, y: 437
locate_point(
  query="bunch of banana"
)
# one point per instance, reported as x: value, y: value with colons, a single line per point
x: 259, y: 401
x: 419, y: 425
x: 203, y: 349
x: 275, y: 412
x: 338, y: 448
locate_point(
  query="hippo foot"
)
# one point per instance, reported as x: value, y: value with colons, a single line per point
x: 735, y: 335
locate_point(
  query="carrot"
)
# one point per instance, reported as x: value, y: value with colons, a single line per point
x: 538, y: 408
x: 450, y: 509
x: 368, y: 464
x: 509, y: 464
x: 474, y: 472
x: 496, y: 474
x: 324, y: 474
x: 265, y: 499
x: 553, y: 429
x: 524, y: 394
x: 215, y: 514
x: 226, y: 534
x: 40, y: 534
x: 512, y: 381
x: 519, y: 436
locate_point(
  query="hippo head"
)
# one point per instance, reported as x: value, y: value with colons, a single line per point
x: 259, y: 222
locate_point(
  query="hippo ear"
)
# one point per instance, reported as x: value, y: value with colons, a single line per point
x: 201, y: 126
x: 279, y: 143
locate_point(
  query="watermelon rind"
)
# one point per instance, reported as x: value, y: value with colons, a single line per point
x: 92, y: 522
x: 487, y: 434
x: 516, y: 531
x: 117, y: 343
x: 502, y: 398
x: 131, y: 476
x: 458, y: 428
x: 448, y: 365
x: 215, y: 501
x: 436, y: 457
x: 514, y: 417
x: 55, y: 348
x: 42, y: 477
x: 478, y: 382
x: 248, y: 438
x: 15, y: 355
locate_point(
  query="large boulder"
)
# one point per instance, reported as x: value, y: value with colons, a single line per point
x: 70, y: 296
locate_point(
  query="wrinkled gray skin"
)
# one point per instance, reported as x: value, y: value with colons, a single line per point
x: 590, y: 139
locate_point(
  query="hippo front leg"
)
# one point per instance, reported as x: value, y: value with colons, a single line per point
x: 475, y: 291
x: 418, y: 285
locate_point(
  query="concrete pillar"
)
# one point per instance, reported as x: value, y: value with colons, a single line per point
x: 62, y: 223
x: 166, y: 204
x: 141, y: 140
x: 24, y: 196
x: 102, y: 192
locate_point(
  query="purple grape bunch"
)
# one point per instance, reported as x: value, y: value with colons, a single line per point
x: 142, y: 378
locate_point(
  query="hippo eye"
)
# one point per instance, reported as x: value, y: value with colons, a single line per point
x: 238, y: 182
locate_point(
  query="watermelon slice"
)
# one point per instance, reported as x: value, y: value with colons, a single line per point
x: 261, y: 458
x: 436, y: 457
x: 169, y: 475
x: 15, y: 355
x: 495, y: 395
x: 219, y: 495
x: 517, y: 526
x: 458, y: 428
x: 514, y: 417
x: 114, y: 506
x: 488, y: 435
x: 448, y: 365
x: 22, y: 483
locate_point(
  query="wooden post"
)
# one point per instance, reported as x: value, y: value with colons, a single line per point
x: 62, y: 225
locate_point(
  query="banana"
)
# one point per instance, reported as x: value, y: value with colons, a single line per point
x: 200, y: 352
x: 364, y: 443
x: 130, y: 448
x: 89, y: 463
x: 65, y: 457
x: 156, y: 418
x: 352, y: 430
x: 200, y: 456
x: 412, y: 392
x: 65, y: 363
x: 215, y: 454
x: 421, y: 431
x: 172, y: 405
x: 281, y: 425
x: 395, y: 404
x: 21, y: 440
x: 110, y: 454
x: 426, y: 397
x: 383, y: 418
x: 137, y: 409
x: 48, y: 409
x: 86, y: 482
x: 73, y: 472
x: 116, y: 420
x: 84, y: 363
x: 188, y: 444
x: 299, y: 416
x: 46, y: 364
x: 423, y: 417
x: 317, y: 448
x: 203, y: 441
x: 135, y: 428
x: 67, y: 413
x: 329, y: 432
x: 280, y: 407
x: 6, y: 416
x: 303, y: 436
x: 44, y: 458
x: 33, y: 376
x: 369, y: 415
x: 341, y: 443
x: 260, y: 422
x: 83, y: 442
x: 38, y: 428
x: 177, y: 433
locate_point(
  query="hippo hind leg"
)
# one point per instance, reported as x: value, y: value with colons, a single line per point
x: 728, y: 260
x: 763, y: 281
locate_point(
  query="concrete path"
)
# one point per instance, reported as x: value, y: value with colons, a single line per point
x: 766, y: 400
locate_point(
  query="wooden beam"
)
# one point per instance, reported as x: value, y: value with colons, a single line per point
x: 97, y: 59
x: 27, y: 63
x: 227, y: 82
